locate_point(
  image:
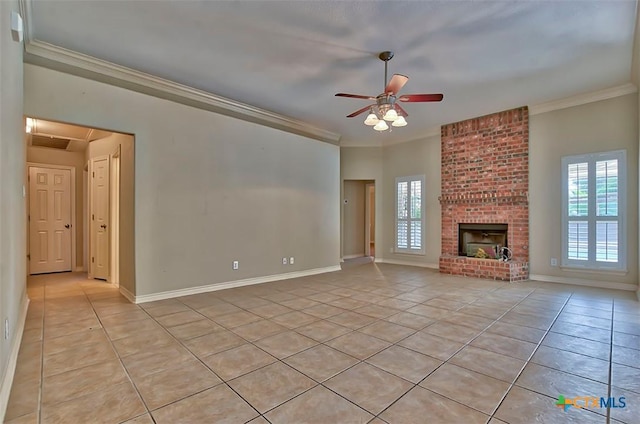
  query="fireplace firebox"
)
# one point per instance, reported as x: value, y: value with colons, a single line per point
x: 489, y: 237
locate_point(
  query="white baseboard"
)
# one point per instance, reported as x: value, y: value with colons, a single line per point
x: 226, y: 285
x: 7, y: 381
x: 126, y: 293
x: 407, y: 263
x: 357, y: 255
x: 583, y: 282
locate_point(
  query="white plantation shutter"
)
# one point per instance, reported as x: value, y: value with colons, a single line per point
x: 409, y: 214
x: 593, y: 222
x: 578, y: 240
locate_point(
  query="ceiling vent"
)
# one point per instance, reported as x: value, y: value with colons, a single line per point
x: 51, y: 142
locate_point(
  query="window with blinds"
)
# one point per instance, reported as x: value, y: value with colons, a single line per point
x: 593, y: 219
x: 409, y: 214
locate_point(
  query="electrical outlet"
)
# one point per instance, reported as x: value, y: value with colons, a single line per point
x: 235, y: 265
x: 291, y: 260
x: 554, y: 262
x: 6, y: 329
x: 284, y: 261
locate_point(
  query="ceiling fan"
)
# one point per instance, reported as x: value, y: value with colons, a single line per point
x: 386, y: 107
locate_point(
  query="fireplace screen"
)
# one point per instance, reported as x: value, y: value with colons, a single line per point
x: 488, y: 237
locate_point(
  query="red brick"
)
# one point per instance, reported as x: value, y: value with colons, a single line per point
x: 485, y: 179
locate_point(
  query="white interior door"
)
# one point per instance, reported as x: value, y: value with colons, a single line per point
x: 100, y: 222
x: 49, y: 220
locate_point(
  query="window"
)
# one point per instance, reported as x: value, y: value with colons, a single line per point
x: 593, y: 224
x: 409, y: 214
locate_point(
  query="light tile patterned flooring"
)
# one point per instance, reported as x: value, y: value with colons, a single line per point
x: 371, y: 343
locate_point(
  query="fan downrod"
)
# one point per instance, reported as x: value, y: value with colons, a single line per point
x: 386, y: 56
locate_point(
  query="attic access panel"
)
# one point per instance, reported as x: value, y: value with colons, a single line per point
x: 51, y: 142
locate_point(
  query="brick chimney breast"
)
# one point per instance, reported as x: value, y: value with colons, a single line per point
x: 485, y: 179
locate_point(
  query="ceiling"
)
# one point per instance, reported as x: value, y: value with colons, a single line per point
x: 57, y: 135
x: 291, y: 57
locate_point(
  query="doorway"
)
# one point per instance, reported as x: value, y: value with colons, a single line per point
x: 370, y: 220
x: 101, y: 204
x: 358, y: 217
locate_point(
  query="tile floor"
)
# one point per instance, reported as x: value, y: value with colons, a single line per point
x: 372, y: 343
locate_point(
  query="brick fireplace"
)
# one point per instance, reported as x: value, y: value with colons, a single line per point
x: 485, y: 180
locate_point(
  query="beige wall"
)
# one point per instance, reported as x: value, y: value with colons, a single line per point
x: 209, y: 189
x: 353, y: 212
x: 361, y: 163
x: 76, y: 160
x: 595, y: 127
x: 420, y: 157
x: 12, y: 208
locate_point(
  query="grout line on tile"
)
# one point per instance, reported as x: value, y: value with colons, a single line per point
x: 41, y: 385
x: 389, y: 283
x: 530, y: 356
x: 456, y: 352
x: 111, y: 343
x: 610, y: 363
x: 478, y: 335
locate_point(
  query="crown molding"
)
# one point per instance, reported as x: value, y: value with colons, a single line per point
x: 582, y: 99
x: 354, y: 143
x: 61, y: 59
x: 635, y: 54
x: 431, y: 132
x: 26, y: 12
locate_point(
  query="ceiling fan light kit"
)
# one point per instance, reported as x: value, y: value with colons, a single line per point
x: 386, y: 108
x: 372, y: 119
x: 400, y: 122
x: 390, y: 115
x: 381, y: 126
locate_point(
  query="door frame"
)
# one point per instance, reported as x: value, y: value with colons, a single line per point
x: 114, y: 207
x: 72, y: 182
x: 90, y: 211
x: 368, y: 207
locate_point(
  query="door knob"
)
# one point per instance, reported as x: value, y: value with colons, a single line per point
x: 103, y: 226
x: 67, y: 226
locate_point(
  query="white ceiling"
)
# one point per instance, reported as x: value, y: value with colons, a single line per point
x: 79, y: 137
x: 291, y: 57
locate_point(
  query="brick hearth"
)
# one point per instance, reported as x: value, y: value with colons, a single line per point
x: 485, y: 179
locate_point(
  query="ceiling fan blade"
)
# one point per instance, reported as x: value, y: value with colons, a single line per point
x: 397, y: 82
x: 400, y: 110
x: 359, y: 111
x: 355, y: 96
x: 421, y: 98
